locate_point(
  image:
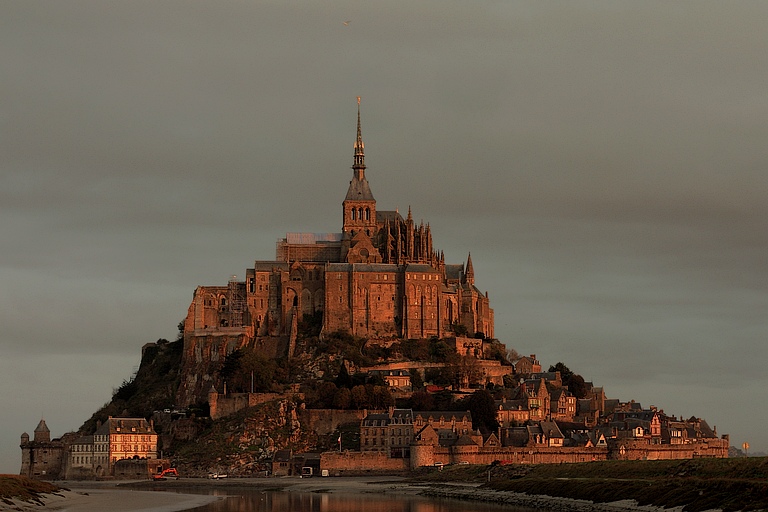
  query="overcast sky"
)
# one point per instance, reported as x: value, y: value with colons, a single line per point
x: 604, y: 162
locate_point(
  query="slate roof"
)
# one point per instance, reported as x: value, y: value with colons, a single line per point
x: 359, y: 190
x: 282, y: 456
x: 512, y: 405
x: 459, y: 415
x: 376, y: 420
x: 388, y: 215
x: 125, y: 426
x: 267, y: 266
x: 420, y: 267
x: 548, y: 376
x: 88, y: 440
x: 551, y: 430
x: 453, y: 271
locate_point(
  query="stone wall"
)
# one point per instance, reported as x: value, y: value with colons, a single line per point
x: 129, y: 469
x: 641, y: 449
x: 224, y: 405
x: 337, y: 463
x: 326, y: 421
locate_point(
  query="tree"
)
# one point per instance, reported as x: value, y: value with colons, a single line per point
x: 459, y: 329
x: 512, y: 355
x: 422, y: 401
x: 483, y: 409
x: 577, y: 386
x: 510, y: 381
x: 439, y: 350
x: 342, y: 399
x: 326, y: 394
x: 443, y: 400
x: 359, y: 397
x: 417, y: 382
x: 565, y: 372
x: 572, y: 381
x: 466, y: 370
x: 343, y: 380
x: 379, y: 397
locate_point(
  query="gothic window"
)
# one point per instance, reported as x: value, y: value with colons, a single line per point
x: 354, y: 214
x: 367, y: 214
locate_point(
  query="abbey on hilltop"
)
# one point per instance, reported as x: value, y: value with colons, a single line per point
x: 380, y: 277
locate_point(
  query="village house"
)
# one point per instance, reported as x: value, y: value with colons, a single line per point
x: 527, y: 365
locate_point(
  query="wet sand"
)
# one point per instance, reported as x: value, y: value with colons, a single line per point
x: 114, y: 500
x: 136, y: 496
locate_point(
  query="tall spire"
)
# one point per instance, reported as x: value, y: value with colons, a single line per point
x: 359, y: 205
x: 469, y: 273
x: 359, y: 165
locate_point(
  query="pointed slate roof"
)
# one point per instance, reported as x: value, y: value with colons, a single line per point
x: 42, y: 427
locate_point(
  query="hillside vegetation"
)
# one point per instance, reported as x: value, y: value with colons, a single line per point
x: 152, y: 387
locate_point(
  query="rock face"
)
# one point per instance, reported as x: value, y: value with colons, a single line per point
x: 203, y: 356
x: 243, y: 444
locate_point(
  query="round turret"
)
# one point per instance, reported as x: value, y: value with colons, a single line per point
x: 422, y: 454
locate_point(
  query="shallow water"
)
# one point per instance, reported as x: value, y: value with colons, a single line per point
x: 274, y: 501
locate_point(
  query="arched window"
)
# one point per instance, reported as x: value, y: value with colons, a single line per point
x: 360, y: 213
x: 367, y: 214
x: 354, y: 214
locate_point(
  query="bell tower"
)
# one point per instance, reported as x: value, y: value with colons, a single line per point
x: 359, y: 206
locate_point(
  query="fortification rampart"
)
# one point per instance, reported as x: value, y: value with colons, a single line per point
x: 642, y: 449
x: 326, y: 421
x: 425, y: 455
x: 224, y: 405
x: 337, y: 463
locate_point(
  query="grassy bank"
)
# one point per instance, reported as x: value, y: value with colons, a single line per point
x: 23, y: 488
x: 699, y: 484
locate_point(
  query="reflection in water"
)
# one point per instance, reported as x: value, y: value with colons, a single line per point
x: 268, y: 501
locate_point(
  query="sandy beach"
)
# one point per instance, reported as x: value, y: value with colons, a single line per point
x: 113, y: 499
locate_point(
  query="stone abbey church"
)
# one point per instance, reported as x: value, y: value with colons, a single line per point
x: 379, y: 278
